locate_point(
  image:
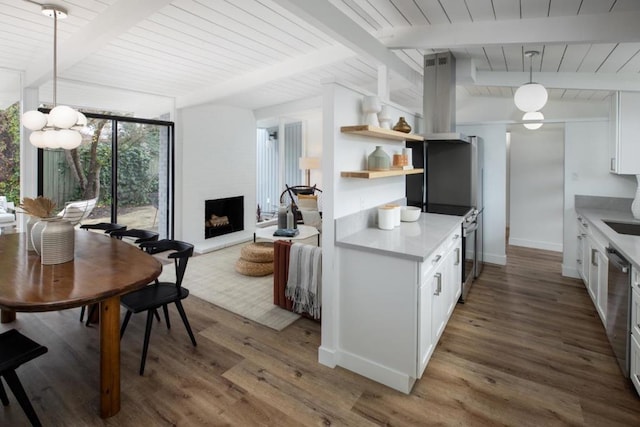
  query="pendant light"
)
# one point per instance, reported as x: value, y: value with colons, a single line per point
x: 533, y: 120
x: 530, y: 96
x: 61, y: 127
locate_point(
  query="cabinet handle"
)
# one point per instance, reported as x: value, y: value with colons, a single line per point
x: 579, y: 261
x: 456, y: 236
x: 437, y: 258
x: 612, y: 167
x: 594, y: 259
x: 438, y: 277
x: 457, y: 256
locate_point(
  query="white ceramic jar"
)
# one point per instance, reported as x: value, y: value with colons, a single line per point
x: 386, y: 217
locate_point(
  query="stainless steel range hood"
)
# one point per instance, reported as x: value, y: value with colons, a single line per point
x: 439, y: 99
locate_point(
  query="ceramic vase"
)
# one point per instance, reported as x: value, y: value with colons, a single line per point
x: 635, y: 206
x: 384, y: 118
x: 30, y: 223
x: 371, y: 107
x: 402, y: 126
x: 54, y: 240
x: 378, y: 160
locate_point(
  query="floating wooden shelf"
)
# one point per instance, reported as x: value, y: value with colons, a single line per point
x: 381, y: 133
x: 379, y: 174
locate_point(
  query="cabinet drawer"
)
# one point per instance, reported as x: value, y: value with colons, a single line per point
x: 438, y: 255
x: 635, y: 363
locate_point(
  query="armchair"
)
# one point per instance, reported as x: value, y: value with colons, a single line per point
x: 7, y: 214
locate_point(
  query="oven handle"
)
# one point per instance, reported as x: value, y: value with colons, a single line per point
x: 469, y: 229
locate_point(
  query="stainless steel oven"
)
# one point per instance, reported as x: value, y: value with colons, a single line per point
x: 470, y: 248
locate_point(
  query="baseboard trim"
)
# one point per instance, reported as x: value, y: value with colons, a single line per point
x: 327, y: 357
x: 547, y: 246
x: 389, y: 377
x: 570, y: 272
x: 495, y: 259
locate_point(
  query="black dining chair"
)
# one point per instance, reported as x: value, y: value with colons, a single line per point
x: 138, y: 236
x: 107, y: 227
x: 160, y: 294
x: 15, y: 350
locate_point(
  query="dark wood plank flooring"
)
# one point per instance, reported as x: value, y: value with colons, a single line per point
x: 527, y: 349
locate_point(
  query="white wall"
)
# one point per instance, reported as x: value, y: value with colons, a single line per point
x: 495, y: 188
x: 587, y: 173
x: 218, y: 145
x: 537, y: 187
x: 345, y: 196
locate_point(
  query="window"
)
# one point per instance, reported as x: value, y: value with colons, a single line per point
x: 277, y: 157
x: 126, y: 162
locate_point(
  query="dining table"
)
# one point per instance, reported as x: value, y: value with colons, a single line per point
x: 102, y: 270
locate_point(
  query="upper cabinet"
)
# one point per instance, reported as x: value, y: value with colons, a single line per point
x: 624, y: 141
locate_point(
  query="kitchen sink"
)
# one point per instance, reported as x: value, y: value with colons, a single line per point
x: 624, y: 227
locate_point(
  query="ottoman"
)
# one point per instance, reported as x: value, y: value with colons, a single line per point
x: 256, y: 259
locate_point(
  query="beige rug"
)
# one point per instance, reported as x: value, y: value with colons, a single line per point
x: 212, y: 277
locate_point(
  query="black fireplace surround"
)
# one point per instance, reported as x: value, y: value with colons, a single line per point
x: 223, y: 216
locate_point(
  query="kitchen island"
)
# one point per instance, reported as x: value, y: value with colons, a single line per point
x: 398, y: 289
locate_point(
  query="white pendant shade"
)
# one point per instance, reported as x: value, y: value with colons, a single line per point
x: 533, y: 120
x: 61, y: 127
x: 34, y: 120
x: 530, y: 97
x: 63, y: 117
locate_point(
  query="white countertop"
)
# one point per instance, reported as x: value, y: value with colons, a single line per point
x: 412, y: 240
x: 628, y: 245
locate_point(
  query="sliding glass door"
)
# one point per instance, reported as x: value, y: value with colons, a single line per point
x: 126, y: 163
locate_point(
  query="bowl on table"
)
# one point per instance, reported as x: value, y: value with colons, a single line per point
x: 409, y: 213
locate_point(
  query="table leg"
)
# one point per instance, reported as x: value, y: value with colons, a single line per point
x: 109, y: 357
x: 7, y: 316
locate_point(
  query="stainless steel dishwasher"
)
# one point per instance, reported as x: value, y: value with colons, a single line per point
x: 618, y: 307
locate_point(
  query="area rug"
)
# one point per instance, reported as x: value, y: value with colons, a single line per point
x: 212, y: 277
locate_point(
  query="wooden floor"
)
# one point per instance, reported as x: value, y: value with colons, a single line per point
x: 526, y: 349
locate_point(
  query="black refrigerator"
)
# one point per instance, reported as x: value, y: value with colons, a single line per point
x: 452, y: 177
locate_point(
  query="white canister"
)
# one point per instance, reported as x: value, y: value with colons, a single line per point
x: 396, y: 213
x: 407, y: 152
x: 386, y: 217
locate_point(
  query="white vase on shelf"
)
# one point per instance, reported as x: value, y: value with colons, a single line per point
x: 635, y: 206
x: 371, y: 107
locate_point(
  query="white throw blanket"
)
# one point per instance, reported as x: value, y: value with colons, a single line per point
x: 304, y: 284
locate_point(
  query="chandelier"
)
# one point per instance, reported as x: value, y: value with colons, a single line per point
x: 61, y: 127
x: 530, y: 96
x: 532, y: 120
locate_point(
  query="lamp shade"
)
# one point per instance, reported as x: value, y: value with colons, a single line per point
x: 309, y: 163
x: 530, y: 97
x: 533, y: 120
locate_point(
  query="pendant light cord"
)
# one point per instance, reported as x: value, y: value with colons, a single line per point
x: 55, y: 56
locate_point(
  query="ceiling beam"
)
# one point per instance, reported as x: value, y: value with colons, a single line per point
x: 91, y: 38
x: 331, y: 21
x: 278, y: 71
x: 581, y: 81
x: 614, y: 27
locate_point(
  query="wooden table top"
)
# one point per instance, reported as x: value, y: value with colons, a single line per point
x: 103, y: 267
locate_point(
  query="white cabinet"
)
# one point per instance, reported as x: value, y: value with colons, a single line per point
x: 583, y: 251
x: 439, y: 293
x: 598, y: 271
x: 593, y: 265
x: 624, y: 140
x: 635, y: 332
x: 393, y: 310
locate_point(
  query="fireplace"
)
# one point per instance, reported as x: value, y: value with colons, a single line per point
x: 223, y: 216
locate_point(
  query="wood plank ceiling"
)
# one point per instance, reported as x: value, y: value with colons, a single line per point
x: 258, y: 53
